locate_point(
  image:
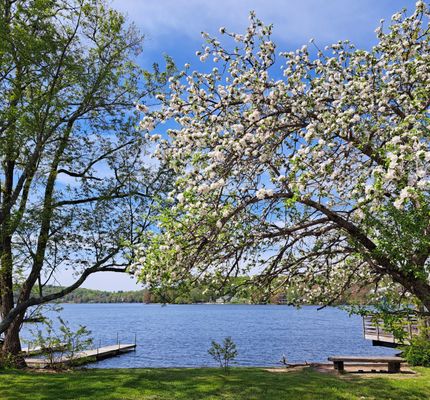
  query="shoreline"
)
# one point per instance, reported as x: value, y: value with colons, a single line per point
x: 208, y: 304
x: 314, y: 366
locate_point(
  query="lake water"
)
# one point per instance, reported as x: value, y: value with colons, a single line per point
x: 180, y: 335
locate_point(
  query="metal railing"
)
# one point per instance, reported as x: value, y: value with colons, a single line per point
x: 118, y: 342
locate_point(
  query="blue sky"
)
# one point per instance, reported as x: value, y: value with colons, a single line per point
x: 173, y: 27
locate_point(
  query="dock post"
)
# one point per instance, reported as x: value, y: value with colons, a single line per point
x: 410, y: 329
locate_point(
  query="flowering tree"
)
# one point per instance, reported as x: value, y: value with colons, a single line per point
x: 317, y: 177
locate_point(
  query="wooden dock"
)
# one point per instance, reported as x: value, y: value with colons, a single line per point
x: 32, y: 351
x: 374, y: 331
x: 83, y: 356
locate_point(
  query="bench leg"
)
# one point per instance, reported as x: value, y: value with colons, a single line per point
x: 393, y: 367
x: 338, y: 365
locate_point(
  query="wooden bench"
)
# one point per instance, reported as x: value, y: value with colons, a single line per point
x: 393, y: 362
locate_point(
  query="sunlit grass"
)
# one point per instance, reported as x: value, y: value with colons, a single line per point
x: 189, y: 384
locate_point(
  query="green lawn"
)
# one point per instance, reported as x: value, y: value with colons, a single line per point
x: 188, y: 384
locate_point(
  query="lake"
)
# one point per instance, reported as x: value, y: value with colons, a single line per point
x: 180, y: 335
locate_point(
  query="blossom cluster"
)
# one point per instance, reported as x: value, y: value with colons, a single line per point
x: 340, y: 131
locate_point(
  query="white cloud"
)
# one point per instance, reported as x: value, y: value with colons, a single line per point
x: 295, y: 21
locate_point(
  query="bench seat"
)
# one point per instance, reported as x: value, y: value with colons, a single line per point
x: 393, y: 362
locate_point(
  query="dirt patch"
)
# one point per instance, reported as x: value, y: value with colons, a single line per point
x: 291, y: 368
x: 48, y: 370
x: 354, y: 369
x: 283, y: 370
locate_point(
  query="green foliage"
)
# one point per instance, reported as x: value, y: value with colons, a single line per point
x: 418, y: 352
x: 224, y: 354
x: 61, y: 342
x: 7, y: 360
x: 83, y: 295
x: 73, y: 178
x: 399, y: 235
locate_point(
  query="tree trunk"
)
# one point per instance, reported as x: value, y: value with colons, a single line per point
x: 11, y: 348
x: 12, y: 343
x: 422, y: 291
x: 417, y: 287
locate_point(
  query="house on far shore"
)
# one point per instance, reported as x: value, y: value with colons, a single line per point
x: 224, y: 299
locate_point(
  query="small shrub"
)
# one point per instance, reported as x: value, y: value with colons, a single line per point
x: 224, y: 353
x: 8, y: 361
x: 61, y: 343
x: 418, y: 352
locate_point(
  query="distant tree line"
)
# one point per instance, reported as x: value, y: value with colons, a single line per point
x: 191, y: 296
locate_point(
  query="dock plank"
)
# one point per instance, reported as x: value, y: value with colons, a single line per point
x: 91, y: 355
x: 39, y: 349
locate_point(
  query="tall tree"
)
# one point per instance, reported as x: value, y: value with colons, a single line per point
x: 73, y: 165
x: 315, y: 175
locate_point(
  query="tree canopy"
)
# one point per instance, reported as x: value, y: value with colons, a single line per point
x: 314, y: 175
x: 74, y: 173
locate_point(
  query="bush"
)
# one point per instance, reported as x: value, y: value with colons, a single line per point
x: 8, y: 361
x: 61, y: 343
x: 223, y: 353
x: 418, y: 352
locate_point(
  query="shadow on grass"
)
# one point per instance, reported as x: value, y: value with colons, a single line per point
x: 190, y: 384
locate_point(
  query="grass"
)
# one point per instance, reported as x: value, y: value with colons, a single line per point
x: 189, y: 384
